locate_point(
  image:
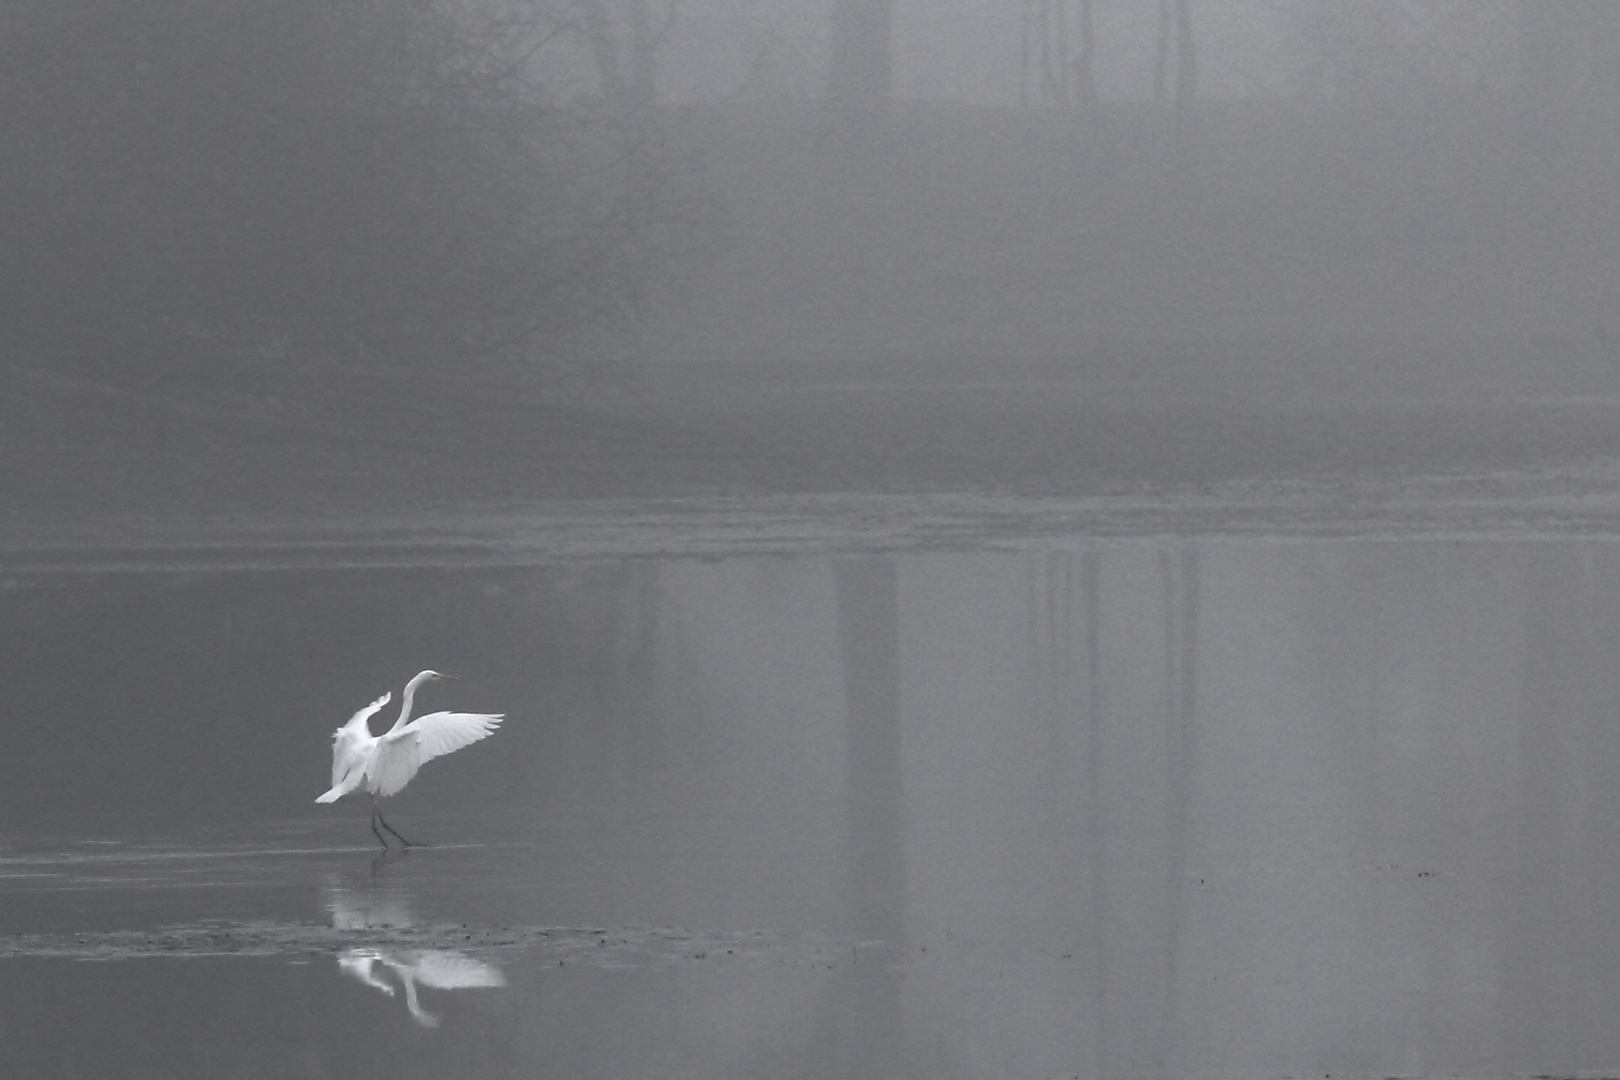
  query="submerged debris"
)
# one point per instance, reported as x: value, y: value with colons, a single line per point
x: 598, y: 946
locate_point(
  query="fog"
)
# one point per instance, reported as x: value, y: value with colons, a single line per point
x: 1381, y: 200
x: 1075, y: 534
x: 297, y: 220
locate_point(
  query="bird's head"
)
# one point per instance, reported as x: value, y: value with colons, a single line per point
x: 422, y: 677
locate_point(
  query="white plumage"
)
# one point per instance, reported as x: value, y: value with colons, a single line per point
x: 442, y: 969
x: 383, y: 764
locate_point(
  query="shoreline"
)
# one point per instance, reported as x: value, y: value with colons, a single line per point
x: 1576, y: 502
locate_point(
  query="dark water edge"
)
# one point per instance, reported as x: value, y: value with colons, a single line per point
x: 78, y: 452
x: 603, y: 946
x: 1580, y: 499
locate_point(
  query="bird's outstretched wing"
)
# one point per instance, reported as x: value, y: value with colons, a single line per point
x: 349, y: 745
x: 400, y: 753
x: 446, y: 969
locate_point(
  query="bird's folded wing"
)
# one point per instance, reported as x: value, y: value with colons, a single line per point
x: 357, y: 722
x: 347, y: 745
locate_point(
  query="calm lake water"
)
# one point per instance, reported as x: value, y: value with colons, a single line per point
x: 1136, y: 808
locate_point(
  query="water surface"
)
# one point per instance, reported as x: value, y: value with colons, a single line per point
x: 1134, y: 807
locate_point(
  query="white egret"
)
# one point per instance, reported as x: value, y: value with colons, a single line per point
x: 442, y: 969
x: 385, y: 763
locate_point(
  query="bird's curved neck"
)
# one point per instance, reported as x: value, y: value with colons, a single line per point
x: 407, y: 700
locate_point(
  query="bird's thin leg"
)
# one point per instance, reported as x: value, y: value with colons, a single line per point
x: 375, y: 832
x: 377, y: 818
x: 391, y: 830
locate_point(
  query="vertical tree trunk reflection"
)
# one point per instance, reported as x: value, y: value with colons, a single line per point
x: 1180, y: 750
x: 860, y: 1023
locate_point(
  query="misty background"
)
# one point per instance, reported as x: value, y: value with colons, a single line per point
x: 242, y: 239
x: 307, y: 307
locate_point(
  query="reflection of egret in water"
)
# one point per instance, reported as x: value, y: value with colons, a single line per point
x: 358, y: 963
x: 440, y: 969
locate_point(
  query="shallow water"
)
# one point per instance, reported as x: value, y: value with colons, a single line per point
x: 1137, y: 807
